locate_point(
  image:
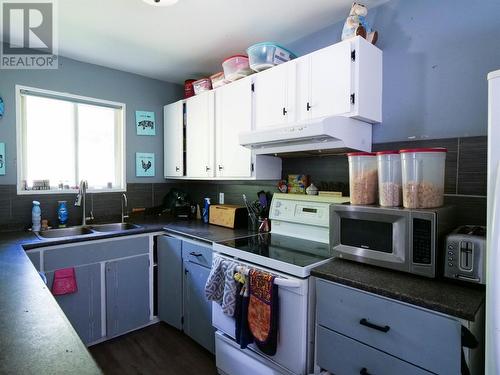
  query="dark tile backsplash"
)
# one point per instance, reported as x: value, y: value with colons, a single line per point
x: 465, y: 173
x: 465, y: 186
x: 472, y: 166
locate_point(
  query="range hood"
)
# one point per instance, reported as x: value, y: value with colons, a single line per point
x: 335, y: 134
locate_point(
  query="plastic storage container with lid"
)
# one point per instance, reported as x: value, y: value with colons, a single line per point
x: 204, y: 84
x: 266, y: 55
x: 423, y: 177
x: 188, y: 88
x: 389, y: 178
x: 218, y: 80
x: 236, y: 67
x: 363, y: 177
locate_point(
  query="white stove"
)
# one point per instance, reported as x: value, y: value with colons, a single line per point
x: 298, y: 242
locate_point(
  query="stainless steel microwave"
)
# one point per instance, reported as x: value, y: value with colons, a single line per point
x: 396, y: 238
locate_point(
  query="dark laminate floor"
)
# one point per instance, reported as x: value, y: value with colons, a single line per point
x: 157, y: 349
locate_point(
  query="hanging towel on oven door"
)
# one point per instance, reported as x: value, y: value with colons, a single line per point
x: 242, y: 335
x: 263, y: 311
x: 221, y: 286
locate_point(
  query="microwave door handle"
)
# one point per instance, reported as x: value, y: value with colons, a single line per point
x: 493, y: 263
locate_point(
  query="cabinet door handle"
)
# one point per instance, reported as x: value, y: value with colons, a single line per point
x: 364, y: 371
x: 195, y: 254
x: 366, y: 323
x: 284, y: 111
x: 221, y: 167
x: 186, y: 271
x: 308, y: 106
x: 207, y: 168
x: 177, y: 169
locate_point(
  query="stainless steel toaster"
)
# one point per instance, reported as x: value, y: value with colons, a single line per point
x: 465, y: 255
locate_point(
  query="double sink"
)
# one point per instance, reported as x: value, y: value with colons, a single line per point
x: 85, y: 230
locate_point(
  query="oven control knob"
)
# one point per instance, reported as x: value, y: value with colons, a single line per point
x: 450, y: 258
x: 451, y: 253
x: 450, y: 264
x: 277, y: 213
x: 450, y: 247
x: 278, y: 204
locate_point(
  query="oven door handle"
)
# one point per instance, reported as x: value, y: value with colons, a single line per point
x: 286, y: 283
x: 280, y: 281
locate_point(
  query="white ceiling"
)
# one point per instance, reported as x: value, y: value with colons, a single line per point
x: 188, y: 39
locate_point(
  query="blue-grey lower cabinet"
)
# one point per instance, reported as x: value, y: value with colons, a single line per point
x: 183, y: 269
x: 363, y: 333
x: 127, y: 294
x: 83, y: 308
x: 170, y: 280
x: 197, y: 310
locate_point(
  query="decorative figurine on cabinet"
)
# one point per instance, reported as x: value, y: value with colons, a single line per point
x: 356, y: 24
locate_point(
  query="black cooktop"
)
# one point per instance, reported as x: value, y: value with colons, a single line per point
x: 287, y: 249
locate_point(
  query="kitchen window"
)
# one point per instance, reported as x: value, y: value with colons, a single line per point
x: 63, y: 138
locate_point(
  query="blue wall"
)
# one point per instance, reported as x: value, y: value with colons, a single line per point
x: 436, y: 57
x: 137, y: 92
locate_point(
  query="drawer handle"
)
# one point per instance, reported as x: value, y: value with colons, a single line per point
x: 364, y: 371
x: 195, y: 254
x: 366, y: 323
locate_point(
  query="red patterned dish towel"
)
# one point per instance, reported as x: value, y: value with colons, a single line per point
x: 263, y: 311
x: 64, y: 282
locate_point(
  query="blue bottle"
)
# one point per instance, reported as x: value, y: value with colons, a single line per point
x: 206, y: 210
x: 62, y: 213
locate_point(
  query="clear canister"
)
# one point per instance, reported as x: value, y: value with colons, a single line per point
x: 389, y: 178
x: 362, y: 177
x: 423, y: 177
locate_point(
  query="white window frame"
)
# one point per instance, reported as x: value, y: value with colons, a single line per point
x: 20, y: 127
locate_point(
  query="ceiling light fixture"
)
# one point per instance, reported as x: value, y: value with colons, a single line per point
x: 160, y: 3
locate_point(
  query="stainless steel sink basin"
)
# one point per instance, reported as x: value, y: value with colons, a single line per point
x: 114, y: 227
x: 64, y: 232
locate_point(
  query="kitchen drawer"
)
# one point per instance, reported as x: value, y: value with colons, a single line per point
x: 344, y: 356
x: 197, y: 253
x: 94, y: 252
x: 425, y: 339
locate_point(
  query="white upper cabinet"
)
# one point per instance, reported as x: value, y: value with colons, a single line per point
x: 200, y: 135
x: 173, y: 118
x: 344, y: 79
x: 233, y: 114
x: 274, y: 103
x: 329, y: 81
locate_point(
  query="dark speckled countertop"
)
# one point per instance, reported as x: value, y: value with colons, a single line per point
x: 36, y: 336
x: 459, y: 300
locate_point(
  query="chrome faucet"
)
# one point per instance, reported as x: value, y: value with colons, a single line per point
x: 124, y: 207
x: 81, y: 201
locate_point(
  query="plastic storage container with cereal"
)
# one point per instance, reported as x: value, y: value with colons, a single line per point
x: 362, y: 177
x: 423, y: 177
x: 389, y: 178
